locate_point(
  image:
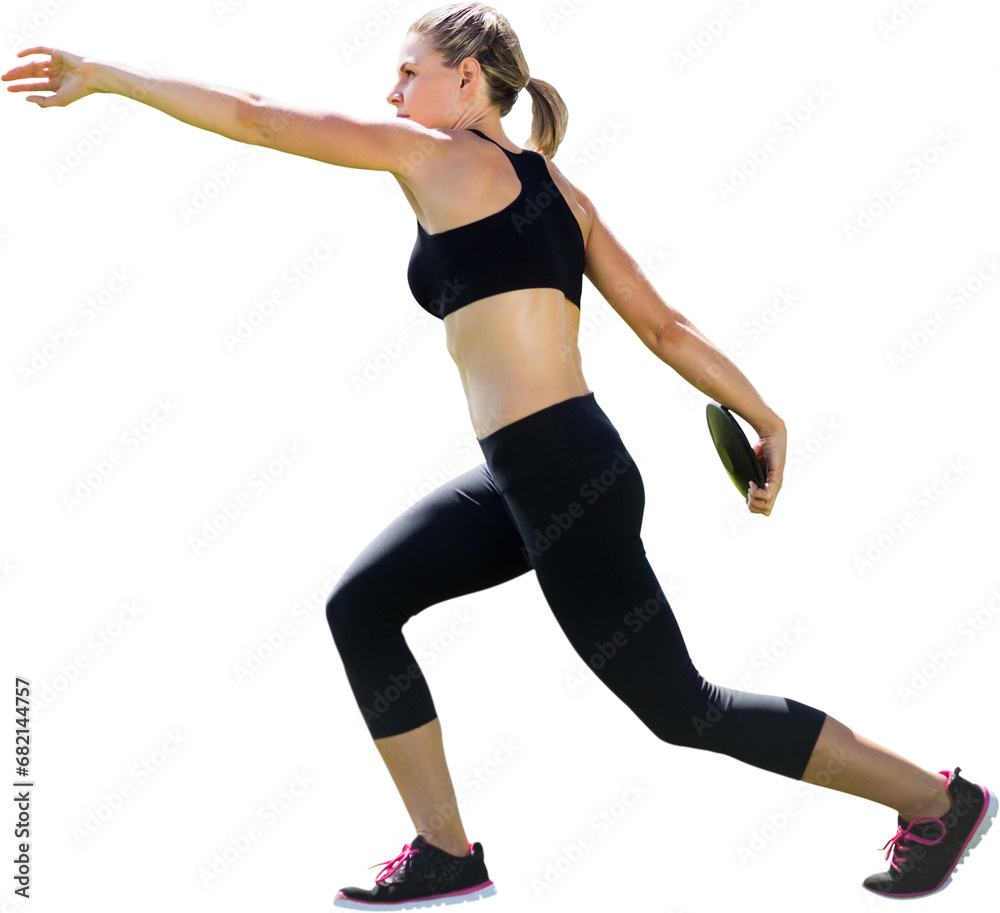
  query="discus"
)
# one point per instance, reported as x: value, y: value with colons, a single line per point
x: 738, y: 457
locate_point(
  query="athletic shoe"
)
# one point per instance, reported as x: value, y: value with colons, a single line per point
x: 422, y: 876
x: 926, y: 850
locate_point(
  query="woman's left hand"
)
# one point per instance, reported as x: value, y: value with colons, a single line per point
x: 64, y: 73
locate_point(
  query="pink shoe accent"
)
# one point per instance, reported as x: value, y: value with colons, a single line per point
x: 477, y: 887
x: 898, y: 844
x: 392, y: 864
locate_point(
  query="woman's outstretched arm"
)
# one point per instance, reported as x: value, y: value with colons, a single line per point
x: 396, y: 146
x: 71, y: 77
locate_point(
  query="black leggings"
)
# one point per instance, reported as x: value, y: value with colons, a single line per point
x: 558, y: 494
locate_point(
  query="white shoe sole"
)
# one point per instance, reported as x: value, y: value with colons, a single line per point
x: 439, y: 900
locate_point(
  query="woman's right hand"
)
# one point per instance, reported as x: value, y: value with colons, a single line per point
x: 65, y: 74
x: 770, y: 451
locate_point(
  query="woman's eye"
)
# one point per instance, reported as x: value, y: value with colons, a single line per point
x: 409, y: 72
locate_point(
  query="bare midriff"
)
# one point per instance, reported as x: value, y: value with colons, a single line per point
x: 516, y: 352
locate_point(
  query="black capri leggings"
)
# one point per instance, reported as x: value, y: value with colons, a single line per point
x: 558, y: 494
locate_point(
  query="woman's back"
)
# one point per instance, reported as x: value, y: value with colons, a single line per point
x: 516, y: 348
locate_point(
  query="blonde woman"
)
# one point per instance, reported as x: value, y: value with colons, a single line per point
x: 503, y: 241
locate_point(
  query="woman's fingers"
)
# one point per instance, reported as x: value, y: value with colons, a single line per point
x: 63, y: 72
x: 30, y: 87
x: 770, y: 453
x: 760, y: 500
x: 35, y: 68
x: 46, y: 86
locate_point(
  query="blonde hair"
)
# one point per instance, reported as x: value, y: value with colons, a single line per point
x: 476, y: 30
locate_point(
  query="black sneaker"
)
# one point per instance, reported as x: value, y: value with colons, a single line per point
x: 926, y: 851
x: 422, y: 876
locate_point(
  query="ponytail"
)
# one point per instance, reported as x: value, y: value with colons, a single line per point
x: 477, y: 30
x: 549, y: 117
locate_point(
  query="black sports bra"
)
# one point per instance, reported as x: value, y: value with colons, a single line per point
x: 534, y: 242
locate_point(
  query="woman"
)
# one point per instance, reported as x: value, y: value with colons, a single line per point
x: 503, y: 240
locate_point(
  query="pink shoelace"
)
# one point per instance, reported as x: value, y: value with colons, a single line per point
x: 392, y: 864
x: 898, y: 845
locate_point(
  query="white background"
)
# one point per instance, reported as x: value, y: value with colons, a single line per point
x: 652, y: 137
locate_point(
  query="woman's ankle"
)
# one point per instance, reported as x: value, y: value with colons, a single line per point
x: 448, y: 843
x: 936, y: 803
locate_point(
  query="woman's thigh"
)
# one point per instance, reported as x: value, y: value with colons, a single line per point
x: 581, y: 521
x: 457, y: 539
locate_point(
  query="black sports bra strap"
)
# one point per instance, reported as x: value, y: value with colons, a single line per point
x: 495, y: 143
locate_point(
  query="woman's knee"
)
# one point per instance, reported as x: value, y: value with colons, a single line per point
x: 685, y: 714
x: 680, y: 728
x: 349, y: 614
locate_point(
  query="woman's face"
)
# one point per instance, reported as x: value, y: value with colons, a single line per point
x: 425, y: 90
